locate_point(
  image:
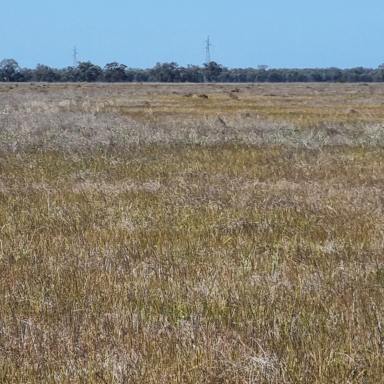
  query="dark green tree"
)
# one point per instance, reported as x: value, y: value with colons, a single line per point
x: 212, y: 71
x: 45, y: 73
x: 89, y: 72
x: 10, y: 70
x: 115, y: 72
x: 165, y: 72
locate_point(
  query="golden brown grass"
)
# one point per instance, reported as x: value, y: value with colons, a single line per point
x: 192, y: 240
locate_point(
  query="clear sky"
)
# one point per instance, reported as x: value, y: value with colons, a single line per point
x: 244, y: 33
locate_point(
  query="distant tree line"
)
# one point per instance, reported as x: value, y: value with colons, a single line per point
x: 10, y: 71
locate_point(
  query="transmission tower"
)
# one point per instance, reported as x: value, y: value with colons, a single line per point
x: 75, y: 57
x: 208, y: 46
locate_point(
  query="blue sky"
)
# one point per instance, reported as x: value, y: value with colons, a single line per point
x: 244, y: 33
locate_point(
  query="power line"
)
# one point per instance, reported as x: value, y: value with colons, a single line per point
x: 75, y: 56
x: 208, y: 46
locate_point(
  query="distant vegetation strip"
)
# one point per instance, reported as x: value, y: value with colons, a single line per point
x: 10, y: 71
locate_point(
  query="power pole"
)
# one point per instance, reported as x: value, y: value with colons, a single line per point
x: 208, y: 46
x: 75, y: 56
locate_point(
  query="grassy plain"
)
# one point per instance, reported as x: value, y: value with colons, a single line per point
x: 191, y: 233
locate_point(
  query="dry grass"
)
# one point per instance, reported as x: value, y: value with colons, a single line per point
x: 149, y: 235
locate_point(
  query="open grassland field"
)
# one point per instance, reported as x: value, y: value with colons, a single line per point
x: 191, y: 233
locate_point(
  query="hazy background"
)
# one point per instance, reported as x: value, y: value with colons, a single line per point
x: 244, y: 33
